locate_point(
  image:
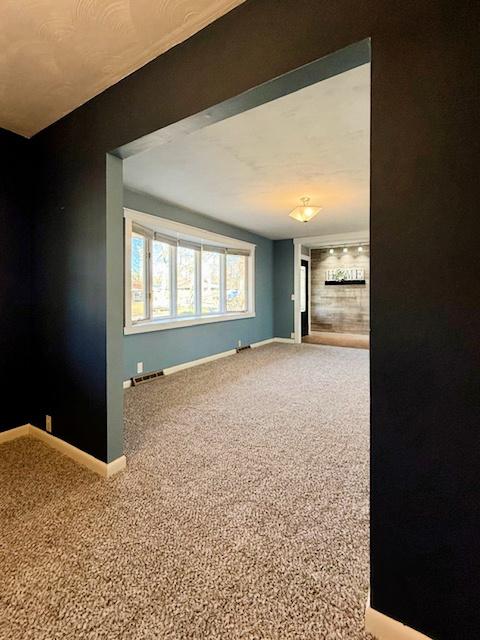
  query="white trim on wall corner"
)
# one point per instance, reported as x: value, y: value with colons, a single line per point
x: 385, y: 628
x: 297, y: 318
x: 16, y: 432
x: 103, y: 469
x: 216, y: 356
x: 94, y: 464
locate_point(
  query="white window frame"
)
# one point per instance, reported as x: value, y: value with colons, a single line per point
x: 183, y: 232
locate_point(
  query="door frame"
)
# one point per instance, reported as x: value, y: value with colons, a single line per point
x: 305, y: 258
x: 316, y: 242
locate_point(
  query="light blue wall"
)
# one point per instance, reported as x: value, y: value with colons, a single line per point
x: 161, y: 349
x: 283, y: 252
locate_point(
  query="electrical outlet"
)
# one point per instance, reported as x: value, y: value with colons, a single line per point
x: 139, y: 367
x: 48, y: 423
x: 239, y: 344
x: 292, y: 297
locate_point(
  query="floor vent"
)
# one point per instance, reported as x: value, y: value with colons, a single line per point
x: 243, y: 348
x: 146, y: 377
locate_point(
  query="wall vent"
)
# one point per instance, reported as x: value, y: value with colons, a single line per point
x: 146, y: 377
x: 247, y: 346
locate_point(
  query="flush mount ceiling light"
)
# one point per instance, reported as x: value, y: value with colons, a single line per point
x: 304, y: 213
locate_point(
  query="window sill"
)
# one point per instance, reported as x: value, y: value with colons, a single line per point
x: 161, y: 325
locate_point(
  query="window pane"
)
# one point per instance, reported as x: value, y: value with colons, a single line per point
x: 210, y: 282
x: 236, y: 283
x: 160, y: 279
x: 185, y: 281
x: 139, y: 291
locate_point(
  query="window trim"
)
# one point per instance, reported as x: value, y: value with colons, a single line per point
x: 179, y: 231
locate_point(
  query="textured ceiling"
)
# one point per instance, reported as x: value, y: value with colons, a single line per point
x: 57, y: 54
x: 252, y: 169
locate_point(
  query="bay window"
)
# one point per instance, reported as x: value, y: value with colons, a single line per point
x: 177, y: 275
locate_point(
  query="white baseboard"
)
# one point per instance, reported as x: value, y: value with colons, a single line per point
x: 194, y: 363
x: 255, y: 345
x: 270, y: 340
x: 16, y: 432
x: 85, y: 459
x: 385, y: 628
x: 216, y: 356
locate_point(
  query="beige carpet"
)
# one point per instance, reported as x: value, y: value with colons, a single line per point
x: 243, y: 514
x: 330, y: 338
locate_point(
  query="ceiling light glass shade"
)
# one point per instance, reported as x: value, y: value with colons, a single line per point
x: 304, y: 213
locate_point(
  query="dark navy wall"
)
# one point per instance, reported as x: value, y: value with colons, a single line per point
x: 16, y: 358
x: 161, y: 349
x: 283, y: 306
x: 425, y: 548
x: 69, y: 275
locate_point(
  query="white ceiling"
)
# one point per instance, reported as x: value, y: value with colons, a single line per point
x: 251, y: 169
x: 57, y: 54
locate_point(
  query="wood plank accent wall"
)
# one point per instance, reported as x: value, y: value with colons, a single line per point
x: 345, y: 308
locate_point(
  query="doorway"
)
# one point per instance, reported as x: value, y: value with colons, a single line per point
x: 334, y: 287
x: 154, y: 176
